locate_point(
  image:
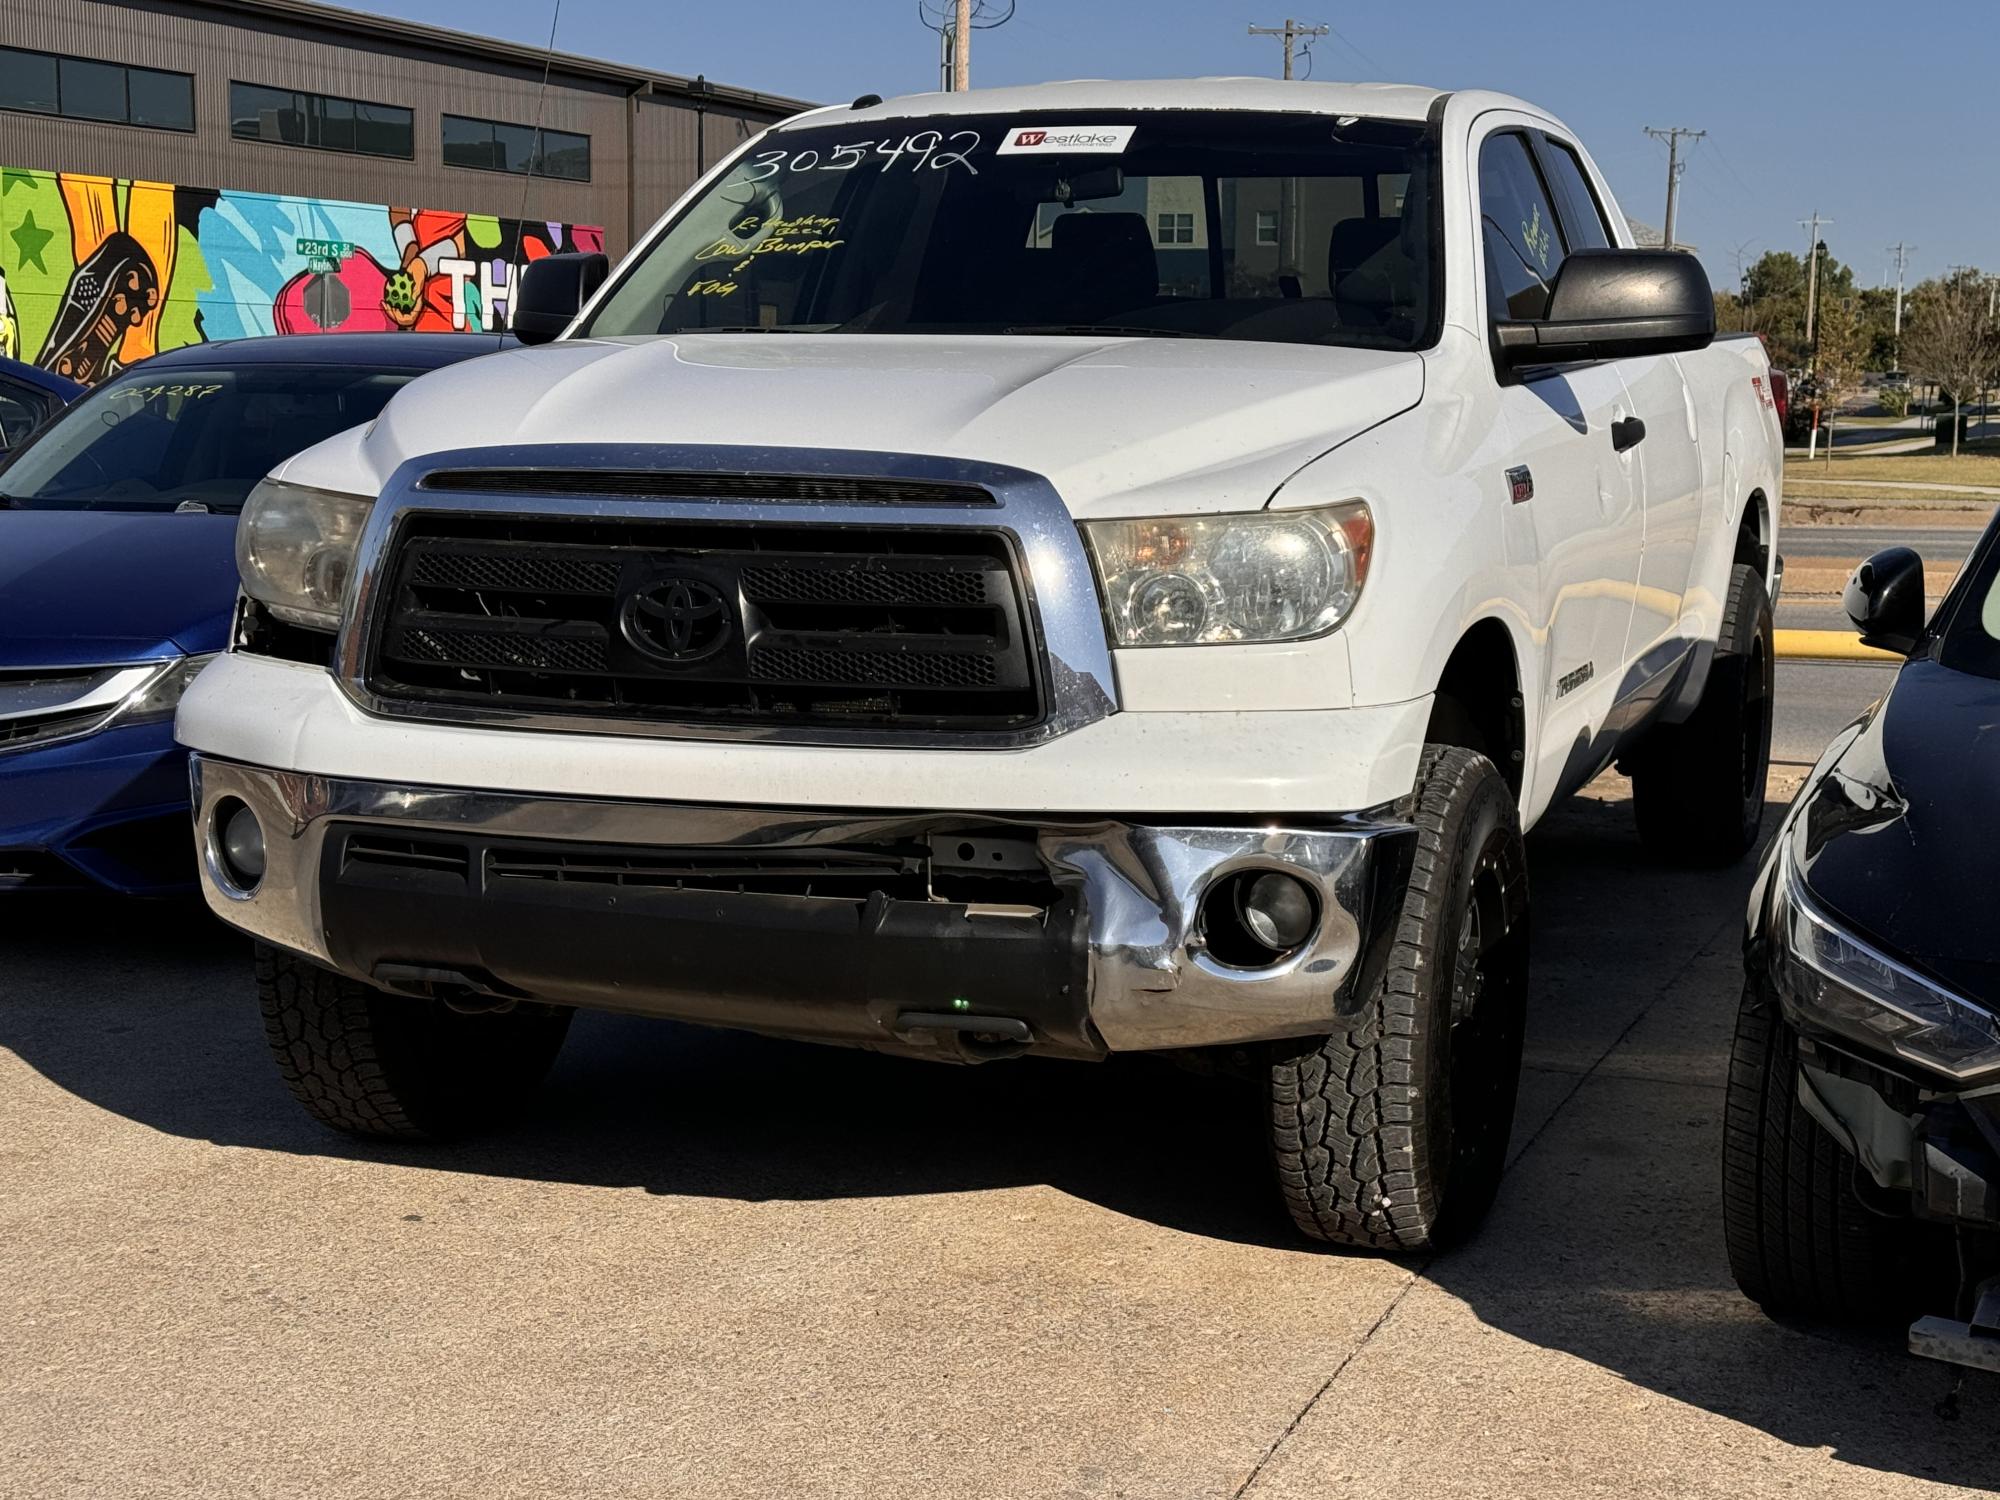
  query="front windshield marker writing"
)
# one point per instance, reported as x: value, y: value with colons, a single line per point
x: 920, y: 148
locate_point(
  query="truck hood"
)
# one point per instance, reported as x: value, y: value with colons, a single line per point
x: 99, y: 588
x: 1120, y: 426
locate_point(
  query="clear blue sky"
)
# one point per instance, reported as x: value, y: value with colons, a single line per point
x: 1844, y: 107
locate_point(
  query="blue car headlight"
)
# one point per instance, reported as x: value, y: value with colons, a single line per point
x: 43, y: 705
x: 1845, y: 985
x: 160, y: 695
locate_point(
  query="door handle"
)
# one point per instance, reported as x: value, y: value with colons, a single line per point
x: 1627, y: 432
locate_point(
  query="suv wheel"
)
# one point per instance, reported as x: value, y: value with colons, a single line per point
x: 1801, y: 1241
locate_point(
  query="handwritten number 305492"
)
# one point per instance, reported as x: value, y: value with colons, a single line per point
x: 926, y: 146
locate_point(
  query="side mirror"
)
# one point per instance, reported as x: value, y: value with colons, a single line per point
x: 1614, y: 304
x: 552, y: 292
x: 1885, y: 600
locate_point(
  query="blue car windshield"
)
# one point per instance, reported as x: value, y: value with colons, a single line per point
x: 188, y: 436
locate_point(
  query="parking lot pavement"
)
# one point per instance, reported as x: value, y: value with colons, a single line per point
x: 717, y: 1266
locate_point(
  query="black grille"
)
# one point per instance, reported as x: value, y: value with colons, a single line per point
x: 658, y: 484
x: 812, y: 626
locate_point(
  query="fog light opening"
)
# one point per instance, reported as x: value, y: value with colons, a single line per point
x: 1256, y: 918
x: 239, y: 844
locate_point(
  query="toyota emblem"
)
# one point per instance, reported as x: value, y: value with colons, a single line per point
x: 676, y: 620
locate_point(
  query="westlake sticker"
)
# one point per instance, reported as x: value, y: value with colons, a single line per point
x: 1065, y: 140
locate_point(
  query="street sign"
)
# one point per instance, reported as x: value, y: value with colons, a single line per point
x: 325, y: 255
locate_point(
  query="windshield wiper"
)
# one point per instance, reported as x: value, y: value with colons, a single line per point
x: 1114, y: 330
x: 760, y: 328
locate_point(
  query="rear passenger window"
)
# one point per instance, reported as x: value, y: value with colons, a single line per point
x: 1583, y: 216
x: 1523, y: 238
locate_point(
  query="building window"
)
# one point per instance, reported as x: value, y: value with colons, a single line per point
x: 1267, y: 226
x: 491, y: 146
x: 80, y: 88
x: 1176, y: 229
x: 325, y: 122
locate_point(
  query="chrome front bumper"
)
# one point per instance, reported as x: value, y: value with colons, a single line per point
x: 1150, y: 982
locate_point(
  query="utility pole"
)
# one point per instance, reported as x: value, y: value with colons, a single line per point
x: 1673, y: 135
x: 961, y: 47
x: 1290, y: 32
x: 1812, y: 228
x: 1902, y: 253
x: 1288, y: 187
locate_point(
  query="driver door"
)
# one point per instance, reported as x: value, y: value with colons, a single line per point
x: 1581, y: 493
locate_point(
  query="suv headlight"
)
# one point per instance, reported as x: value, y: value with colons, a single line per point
x: 1851, y: 988
x: 1281, y: 575
x: 295, y: 548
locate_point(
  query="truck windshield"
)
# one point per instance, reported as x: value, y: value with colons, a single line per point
x: 187, y: 436
x: 1294, y: 228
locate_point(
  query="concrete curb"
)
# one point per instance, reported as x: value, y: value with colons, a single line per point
x: 1827, y: 645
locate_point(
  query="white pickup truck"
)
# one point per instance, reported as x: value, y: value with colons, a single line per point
x: 1091, y: 568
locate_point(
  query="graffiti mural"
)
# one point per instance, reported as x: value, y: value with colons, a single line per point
x: 96, y: 273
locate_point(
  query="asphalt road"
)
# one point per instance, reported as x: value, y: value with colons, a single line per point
x: 1816, y: 699
x: 710, y: 1265
x: 1941, y: 547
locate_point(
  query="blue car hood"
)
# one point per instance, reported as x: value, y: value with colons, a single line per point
x: 101, y: 587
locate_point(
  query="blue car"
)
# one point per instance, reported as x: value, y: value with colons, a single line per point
x: 28, y: 398
x: 118, y: 582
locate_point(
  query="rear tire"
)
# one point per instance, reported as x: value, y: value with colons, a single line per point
x: 374, y: 1064
x: 1801, y: 1242
x: 1698, y: 787
x: 1392, y: 1134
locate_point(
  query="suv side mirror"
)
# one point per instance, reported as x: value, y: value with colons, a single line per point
x: 1614, y: 304
x: 1885, y: 600
x: 552, y: 292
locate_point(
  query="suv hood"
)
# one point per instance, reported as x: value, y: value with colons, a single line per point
x: 99, y: 588
x: 1120, y: 426
x: 1895, y: 836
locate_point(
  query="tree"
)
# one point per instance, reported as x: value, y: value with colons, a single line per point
x: 1839, y: 359
x: 1950, y: 338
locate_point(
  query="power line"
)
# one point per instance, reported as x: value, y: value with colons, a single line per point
x: 1290, y: 33
x: 1673, y: 136
x: 1339, y: 37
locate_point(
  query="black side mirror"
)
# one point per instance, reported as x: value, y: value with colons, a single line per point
x: 552, y: 292
x: 1615, y: 304
x: 1885, y: 600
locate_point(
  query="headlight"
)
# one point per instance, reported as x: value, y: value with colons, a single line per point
x: 1199, y: 581
x: 158, y: 696
x: 295, y: 548
x: 1849, y: 987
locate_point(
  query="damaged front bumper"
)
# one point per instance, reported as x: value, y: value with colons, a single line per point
x: 945, y: 934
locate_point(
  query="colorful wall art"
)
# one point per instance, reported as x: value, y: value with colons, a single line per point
x: 96, y: 273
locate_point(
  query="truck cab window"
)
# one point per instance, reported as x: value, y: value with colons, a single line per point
x: 1583, y: 215
x: 1522, y: 237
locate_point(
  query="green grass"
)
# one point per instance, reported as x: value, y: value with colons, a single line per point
x: 1977, y: 463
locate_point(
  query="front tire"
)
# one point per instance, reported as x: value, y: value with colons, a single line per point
x: 1392, y: 1135
x: 1698, y: 788
x: 1801, y: 1241
x: 389, y: 1066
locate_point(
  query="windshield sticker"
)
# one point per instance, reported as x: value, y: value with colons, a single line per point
x: 926, y: 147
x: 1066, y: 140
